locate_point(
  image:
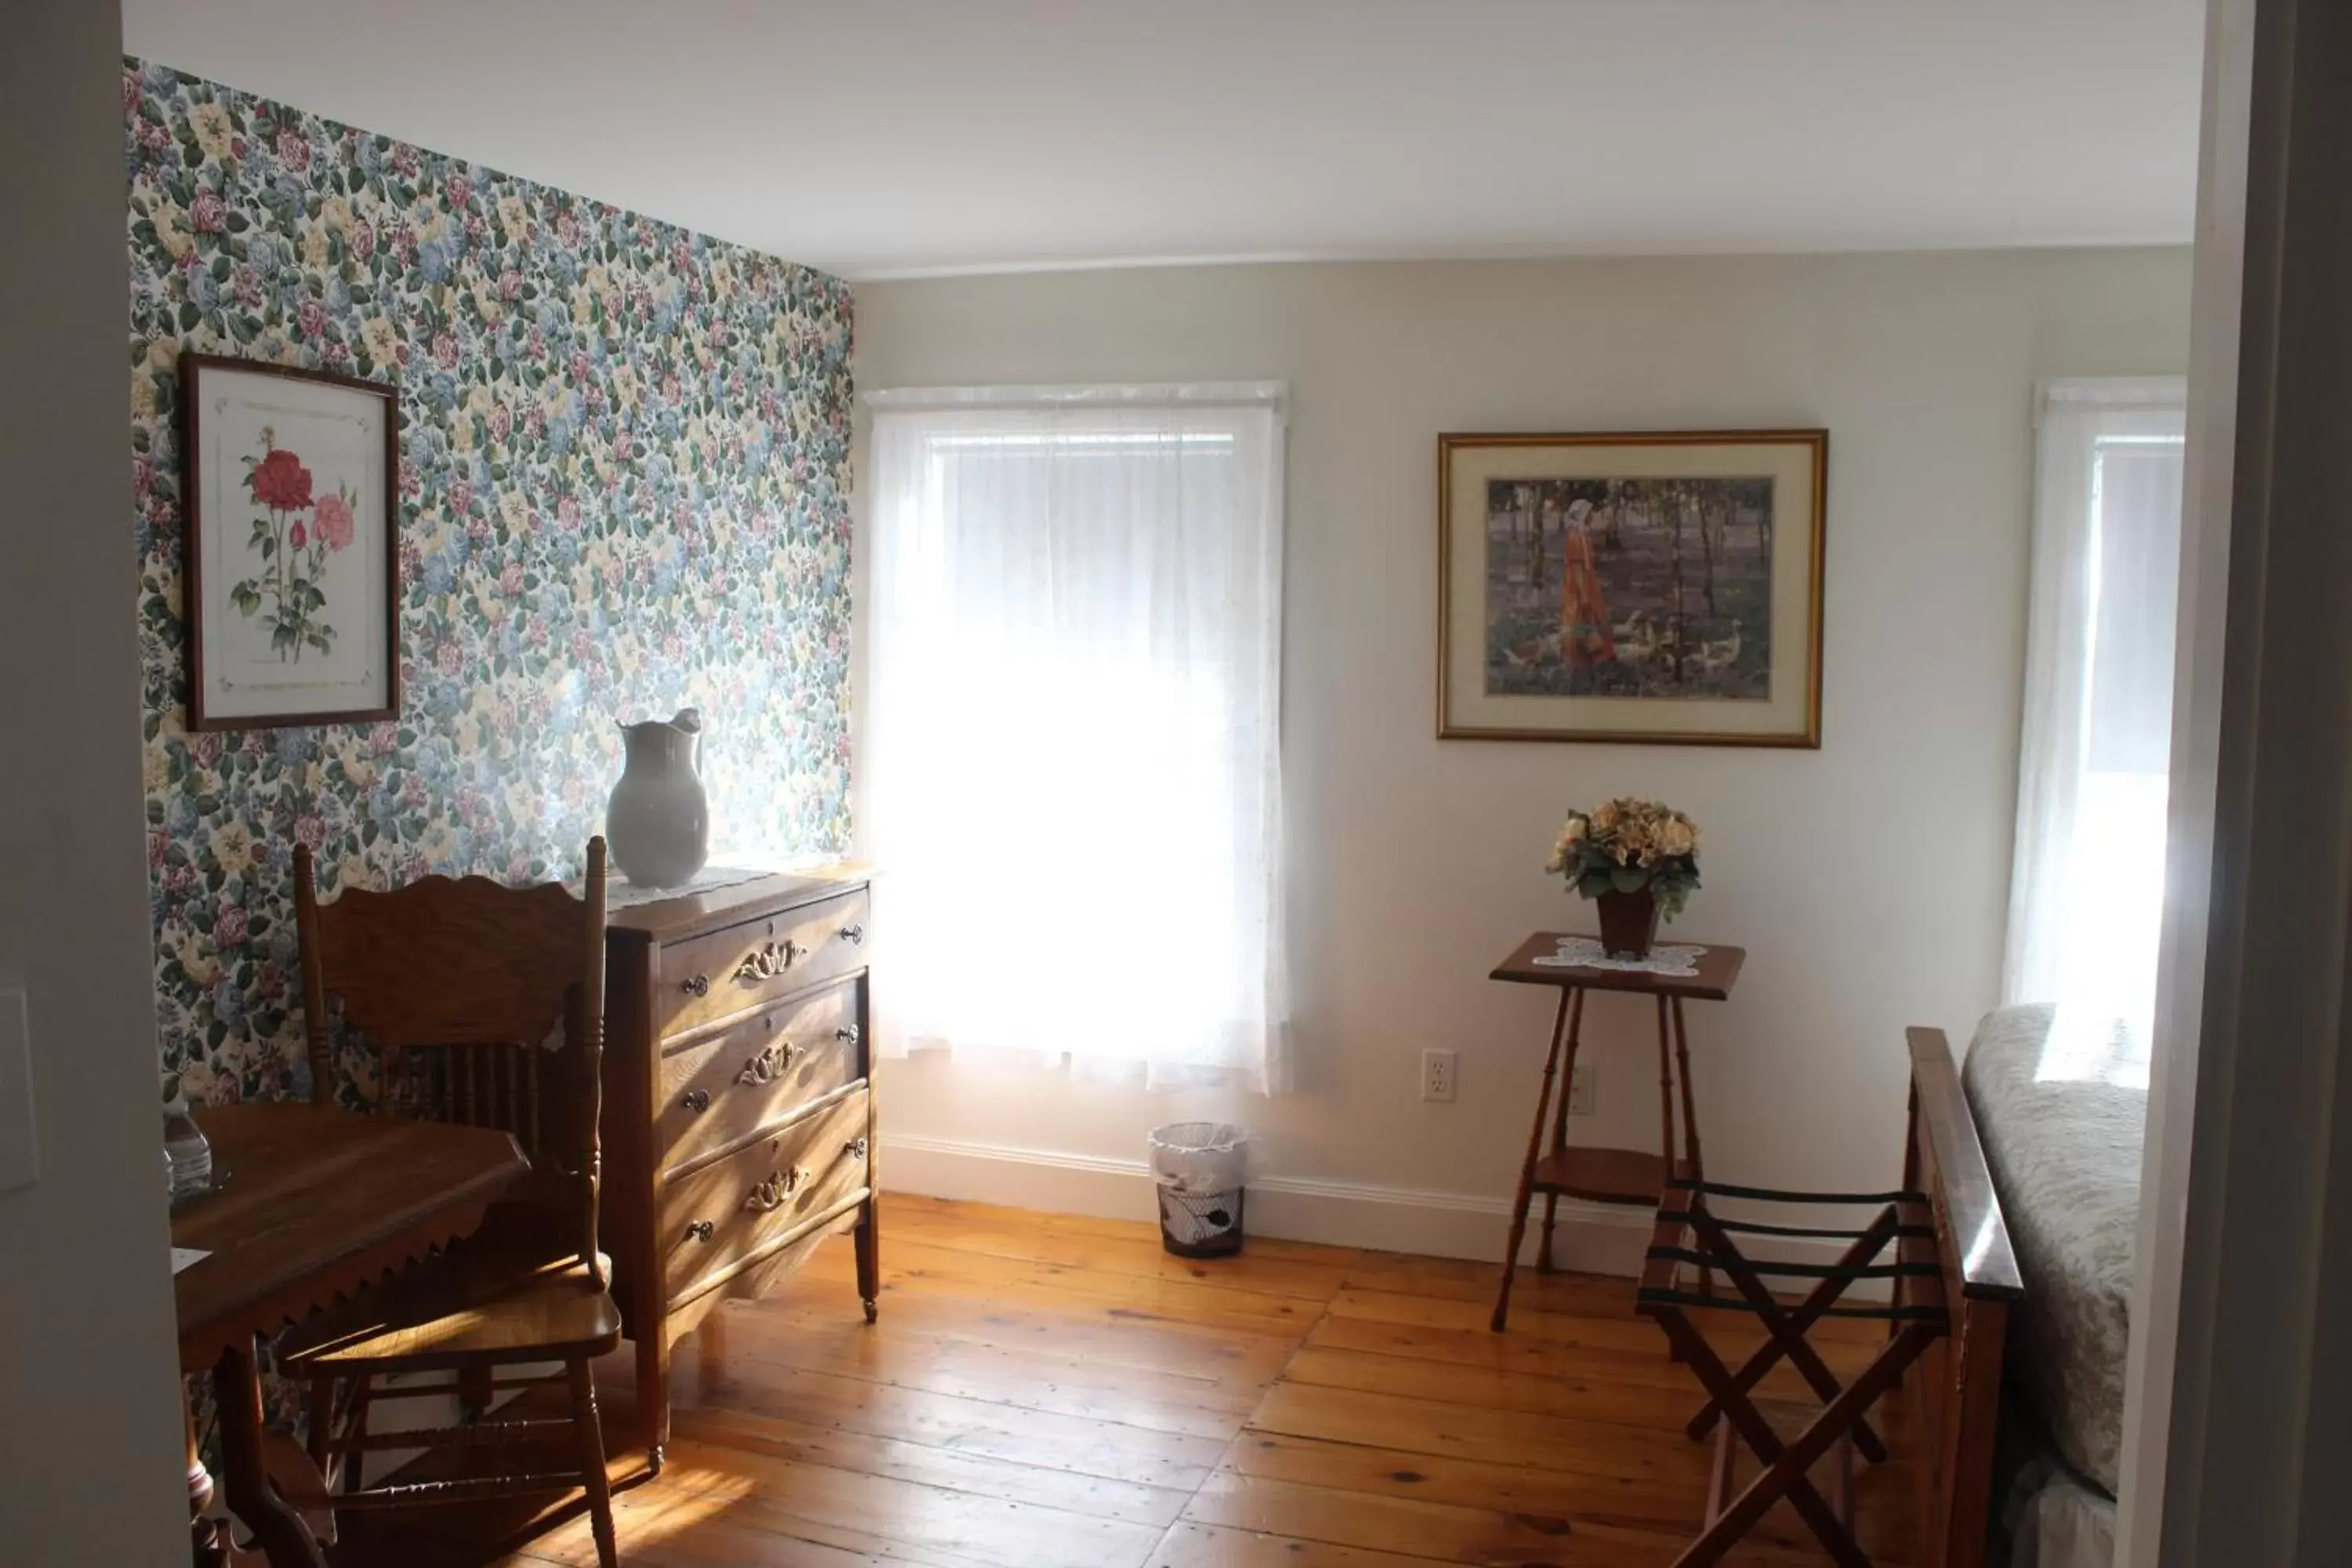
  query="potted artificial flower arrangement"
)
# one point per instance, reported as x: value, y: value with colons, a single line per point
x: 1636, y: 859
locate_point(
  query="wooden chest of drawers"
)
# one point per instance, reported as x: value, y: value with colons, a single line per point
x: 739, y: 1103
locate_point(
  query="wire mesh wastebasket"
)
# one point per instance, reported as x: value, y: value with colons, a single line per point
x: 1198, y: 1168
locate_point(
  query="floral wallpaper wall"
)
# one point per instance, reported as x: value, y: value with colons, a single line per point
x: 624, y: 480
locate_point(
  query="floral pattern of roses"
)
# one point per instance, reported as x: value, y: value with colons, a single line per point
x: 285, y: 595
x: 623, y: 488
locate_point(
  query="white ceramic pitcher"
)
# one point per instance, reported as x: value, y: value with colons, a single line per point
x: 659, y: 820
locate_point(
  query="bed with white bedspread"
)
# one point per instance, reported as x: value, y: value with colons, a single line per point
x: 2062, y: 1113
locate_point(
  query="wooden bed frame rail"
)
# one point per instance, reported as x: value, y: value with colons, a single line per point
x: 1953, y: 1391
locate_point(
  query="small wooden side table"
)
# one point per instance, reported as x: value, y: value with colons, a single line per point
x: 1627, y: 1176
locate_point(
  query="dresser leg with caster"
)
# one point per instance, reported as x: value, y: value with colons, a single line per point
x: 867, y: 1239
x: 653, y: 1392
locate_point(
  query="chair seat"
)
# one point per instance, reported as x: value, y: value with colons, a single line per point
x: 470, y: 1306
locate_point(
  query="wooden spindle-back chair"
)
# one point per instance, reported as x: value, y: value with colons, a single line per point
x: 486, y: 1006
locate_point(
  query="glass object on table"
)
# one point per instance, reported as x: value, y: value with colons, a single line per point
x: 186, y: 1152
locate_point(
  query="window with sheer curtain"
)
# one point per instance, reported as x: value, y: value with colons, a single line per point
x: 1072, y: 760
x: 2087, y: 897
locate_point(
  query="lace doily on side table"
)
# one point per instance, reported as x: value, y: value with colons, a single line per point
x: 1585, y: 952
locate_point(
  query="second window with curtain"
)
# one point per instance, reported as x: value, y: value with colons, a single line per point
x: 2087, y: 893
x: 1073, y: 723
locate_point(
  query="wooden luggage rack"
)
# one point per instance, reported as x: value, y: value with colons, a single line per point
x: 1691, y: 1234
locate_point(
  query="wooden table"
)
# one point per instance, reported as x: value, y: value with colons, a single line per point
x: 315, y: 1203
x: 1628, y: 1177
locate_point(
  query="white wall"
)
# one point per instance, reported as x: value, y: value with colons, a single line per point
x: 91, y: 1462
x: 1867, y: 880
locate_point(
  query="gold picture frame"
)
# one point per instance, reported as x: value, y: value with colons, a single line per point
x: 1631, y: 587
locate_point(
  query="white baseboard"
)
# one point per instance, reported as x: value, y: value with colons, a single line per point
x: 1589, y: 1238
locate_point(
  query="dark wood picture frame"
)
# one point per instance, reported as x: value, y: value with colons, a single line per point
x: 1805, y: 734
x: 194, y: 368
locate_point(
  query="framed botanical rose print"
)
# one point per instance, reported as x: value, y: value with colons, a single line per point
x: 1661, y: 587
x: 293, y: 550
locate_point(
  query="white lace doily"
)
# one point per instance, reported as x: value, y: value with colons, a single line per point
x: 1585, y: 952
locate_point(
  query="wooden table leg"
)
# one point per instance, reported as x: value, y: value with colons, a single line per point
x: 1667, y: 1130
x: 1666, y: 1093
x: 1559, y: 1125
x: 277, y: 1529
x: 1528, y: 1170
x: 207, y: 1547
x: 1690, y: 1128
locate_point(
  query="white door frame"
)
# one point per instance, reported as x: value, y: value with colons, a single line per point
x: 2237, y: 1439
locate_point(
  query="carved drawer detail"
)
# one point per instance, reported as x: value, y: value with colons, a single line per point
x: 704, y: 978
x: 719, y: 1213
x: 718, y: 1087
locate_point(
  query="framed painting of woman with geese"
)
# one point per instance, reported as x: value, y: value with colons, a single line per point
x: 1660, y: 586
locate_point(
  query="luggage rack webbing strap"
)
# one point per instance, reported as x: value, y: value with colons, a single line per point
x: 1889, y: 1314
x: 1757, y: 1227
x: 1776, y: 1195
x: 1848, y: 1271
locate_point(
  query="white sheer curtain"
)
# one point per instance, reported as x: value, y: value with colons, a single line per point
x: 1072, y: 780
x: 2086, y: 895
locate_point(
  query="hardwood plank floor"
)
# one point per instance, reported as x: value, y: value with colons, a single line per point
x: 1046, y: 1391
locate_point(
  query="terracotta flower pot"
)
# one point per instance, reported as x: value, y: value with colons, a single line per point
x: 1629, y: 923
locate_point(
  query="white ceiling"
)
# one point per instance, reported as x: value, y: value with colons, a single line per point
x: 884, y: 137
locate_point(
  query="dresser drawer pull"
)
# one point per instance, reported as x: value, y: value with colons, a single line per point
x: 854, y: 935
x: 768, y: 959
x: 766, y: 1067
x: 696, y: 985
x: 848, y: 1034
x: 696, y: 1100
x: 855, y: 1148
x: 700, y: 1230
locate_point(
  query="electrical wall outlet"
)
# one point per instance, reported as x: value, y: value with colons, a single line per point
x: 1580, y: 1091
x: 1437, y: 1075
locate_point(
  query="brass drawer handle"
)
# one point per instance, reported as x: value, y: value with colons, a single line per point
x: 848, y: 1034
x: 696, y: 1100
x: 769, y: 960
x: 766, y: 1067
x: 855, y: 1148
x: 698, y: 985
x: 699, y: 1230
x: 854, y: 935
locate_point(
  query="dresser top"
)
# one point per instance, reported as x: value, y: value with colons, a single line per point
x: 690, y: 910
